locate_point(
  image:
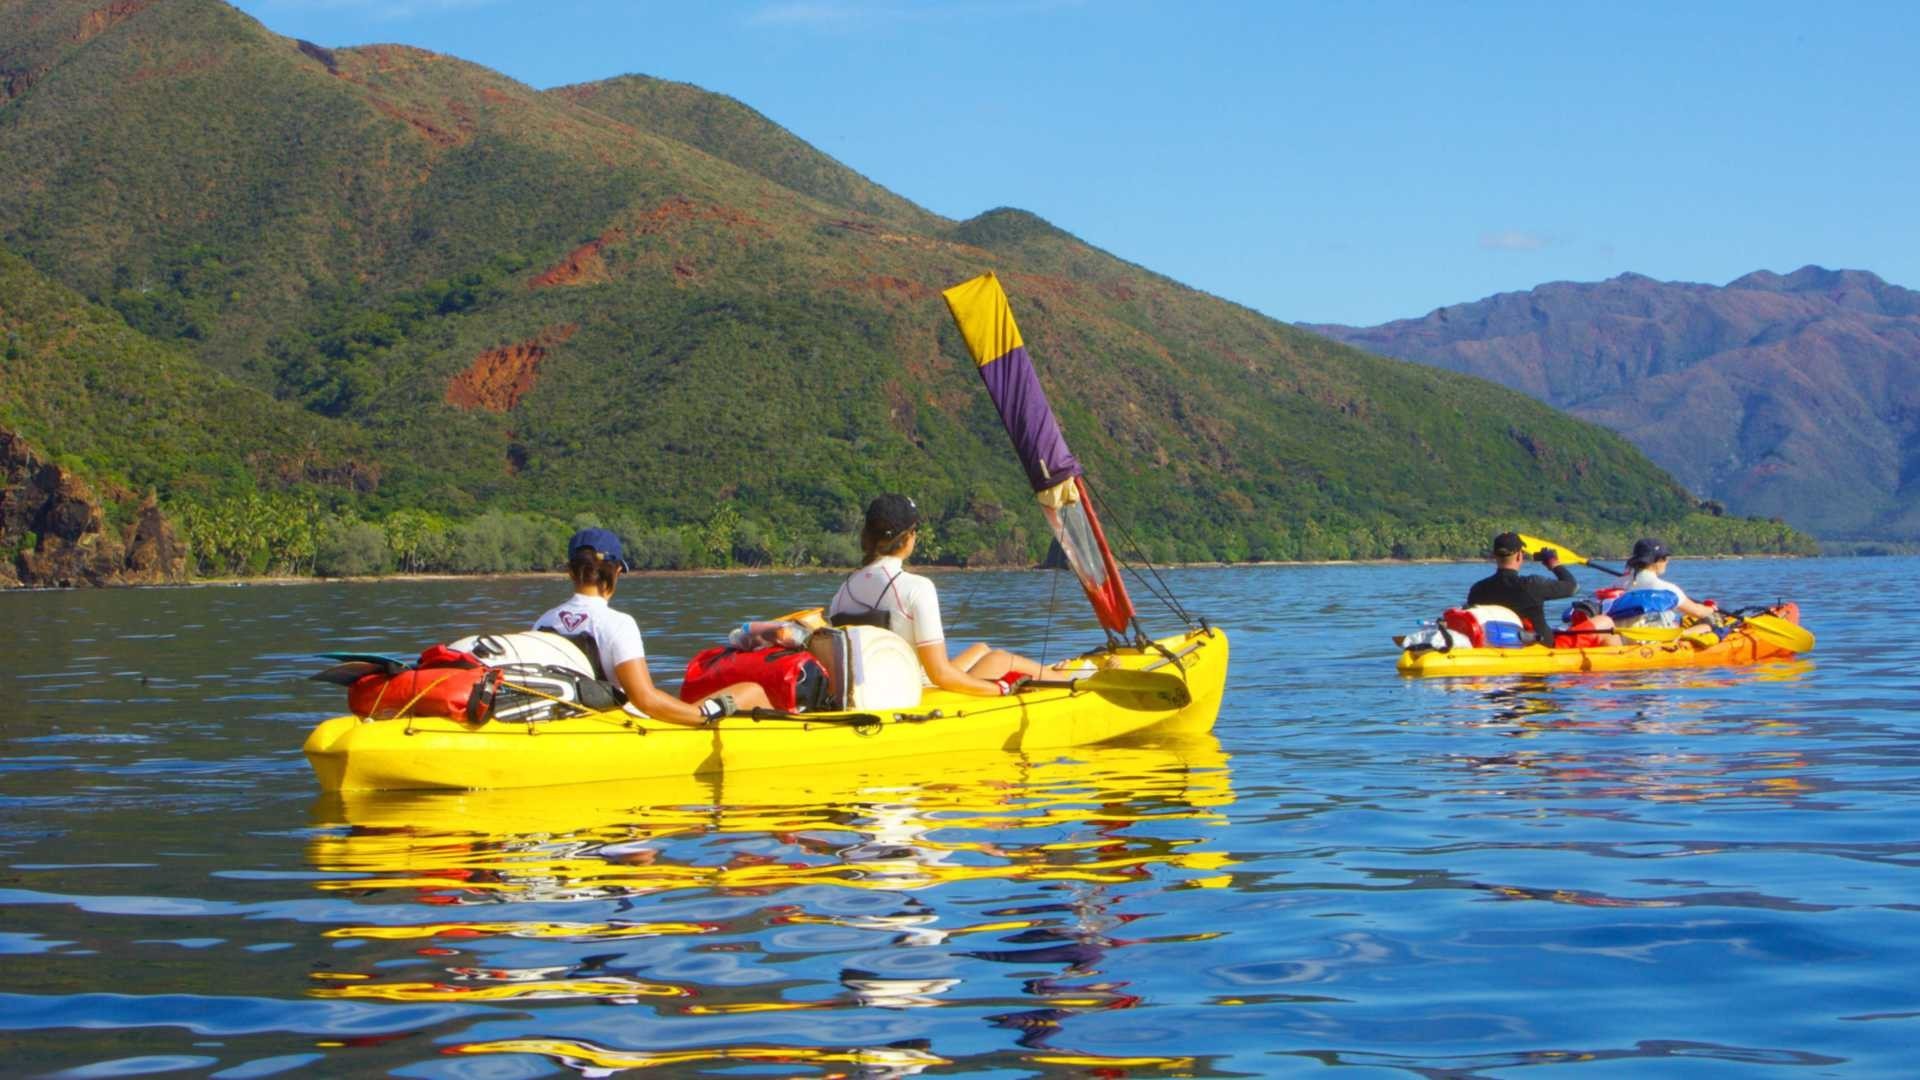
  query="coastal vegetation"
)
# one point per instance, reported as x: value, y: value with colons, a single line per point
x: 350, y: 311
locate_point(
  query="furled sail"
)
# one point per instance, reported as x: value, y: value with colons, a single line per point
x: 985, y: 320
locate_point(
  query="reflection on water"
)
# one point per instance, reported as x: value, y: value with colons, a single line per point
x: 487, y: 879
x: 1698, y: 872
x: 1627, y: 705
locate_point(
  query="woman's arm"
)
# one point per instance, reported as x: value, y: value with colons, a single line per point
x: 650, y: 699
x: 933, y: 657
x: 1698, y: 611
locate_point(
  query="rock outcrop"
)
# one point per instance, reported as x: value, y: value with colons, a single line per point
x: 53, y: 530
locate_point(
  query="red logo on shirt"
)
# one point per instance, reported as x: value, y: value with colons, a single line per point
x: 573, y: 620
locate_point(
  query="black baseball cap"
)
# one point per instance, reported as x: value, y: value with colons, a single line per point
x: 1647, y: 551
x: 1507, y: 544
x: 890, y: 515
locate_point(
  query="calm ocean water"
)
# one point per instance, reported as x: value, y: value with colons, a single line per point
x: 1674, y: 874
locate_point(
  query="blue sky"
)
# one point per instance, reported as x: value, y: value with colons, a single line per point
x: 1341, y: 162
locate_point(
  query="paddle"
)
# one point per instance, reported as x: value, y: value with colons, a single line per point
x: 354, y: 666
x: 1785, y: 633
x: 1118, y: 680
x: 1567, y: 554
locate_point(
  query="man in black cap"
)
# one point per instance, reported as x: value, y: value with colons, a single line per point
x: 1526, y: 596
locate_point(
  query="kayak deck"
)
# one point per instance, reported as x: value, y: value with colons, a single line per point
x: 1183, y: 694
x: 1741, y: 646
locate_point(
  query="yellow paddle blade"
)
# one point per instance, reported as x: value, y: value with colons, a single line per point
x: 1656, y: 634
x: 1567, y: 554
x: 1785, y: 633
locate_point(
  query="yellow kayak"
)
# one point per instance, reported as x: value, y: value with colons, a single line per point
x: 512, y: 863
x: 1173, y: 685
x: 1764, y: 638
x: 412, y: 834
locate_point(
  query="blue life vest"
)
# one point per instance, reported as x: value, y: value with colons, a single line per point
x: 1638, y: 602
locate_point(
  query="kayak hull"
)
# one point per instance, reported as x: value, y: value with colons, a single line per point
x: 1675, y: 650
x: 352, y: 754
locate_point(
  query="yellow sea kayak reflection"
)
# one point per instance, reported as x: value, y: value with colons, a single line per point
x: 893, y: 825
x: 1574, y: 726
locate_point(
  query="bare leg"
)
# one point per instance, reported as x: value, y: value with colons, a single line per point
x: 997, y: 662
x: 970, y: 656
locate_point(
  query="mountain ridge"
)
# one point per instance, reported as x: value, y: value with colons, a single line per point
x: 1785, y: 395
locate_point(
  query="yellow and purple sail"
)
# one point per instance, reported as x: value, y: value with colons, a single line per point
x: 985, y: 320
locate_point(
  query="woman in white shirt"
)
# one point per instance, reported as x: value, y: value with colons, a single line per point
x: 1646, y: 568
x: 595, y: 562
x: 883, y: 593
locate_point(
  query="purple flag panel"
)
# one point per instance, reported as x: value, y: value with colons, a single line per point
x: 1029, y: 420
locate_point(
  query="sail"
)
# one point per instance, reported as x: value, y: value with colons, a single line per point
x: 985, y: 320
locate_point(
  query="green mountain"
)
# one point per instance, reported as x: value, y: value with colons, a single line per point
x: 735, y: 133
x: 132, y: 413
x: 646, y: 303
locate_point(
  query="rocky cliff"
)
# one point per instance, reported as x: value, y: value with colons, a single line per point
x: 54, y: 533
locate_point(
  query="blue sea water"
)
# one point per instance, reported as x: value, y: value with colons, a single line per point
x: 1684, y: 873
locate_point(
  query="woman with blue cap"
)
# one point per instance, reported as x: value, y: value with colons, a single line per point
x: 611, y: 638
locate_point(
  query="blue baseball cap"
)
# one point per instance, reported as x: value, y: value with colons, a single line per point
x: 600, y: 540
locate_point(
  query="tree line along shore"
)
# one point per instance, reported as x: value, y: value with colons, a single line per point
x: 257, y: 537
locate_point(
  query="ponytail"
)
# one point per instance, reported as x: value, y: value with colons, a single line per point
x: 588, y: 569
x: 879, y: 543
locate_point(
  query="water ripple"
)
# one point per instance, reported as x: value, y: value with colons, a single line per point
x: 1457, y: 878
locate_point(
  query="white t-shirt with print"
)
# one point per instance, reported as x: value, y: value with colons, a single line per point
x: 614, y: 633
x: 910, y: 602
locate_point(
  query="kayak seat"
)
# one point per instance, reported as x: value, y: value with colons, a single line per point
x: 868, y: 668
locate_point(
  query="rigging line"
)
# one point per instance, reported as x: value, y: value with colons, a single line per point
x: 1174, y: 601
x: 966, y: 604
x: 1165, y: 597
x: 1173, y: 604
x: 1053, y: 601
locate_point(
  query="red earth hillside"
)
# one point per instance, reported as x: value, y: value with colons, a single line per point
x: 498, y: 378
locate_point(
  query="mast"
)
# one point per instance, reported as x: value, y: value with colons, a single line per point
x: 985, y: 320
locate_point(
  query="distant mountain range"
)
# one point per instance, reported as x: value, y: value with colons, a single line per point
x: 379, y: 280
x: 1794, y: 396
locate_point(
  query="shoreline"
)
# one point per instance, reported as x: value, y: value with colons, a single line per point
x: 743, y: 571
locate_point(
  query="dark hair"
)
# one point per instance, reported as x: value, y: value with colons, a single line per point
x: 588, y: 568
x: 878, y: 542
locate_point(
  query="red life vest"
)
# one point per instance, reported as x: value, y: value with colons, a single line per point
x: 792, y: 678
